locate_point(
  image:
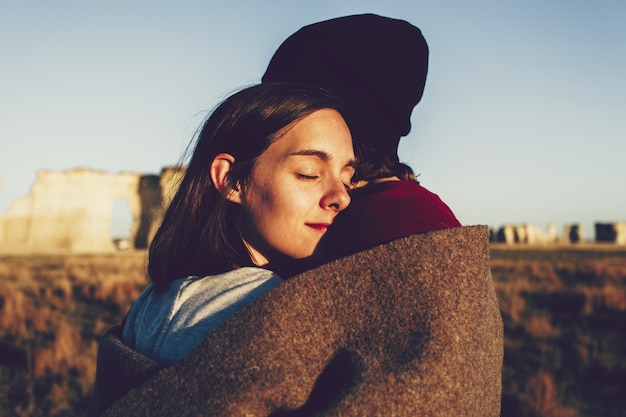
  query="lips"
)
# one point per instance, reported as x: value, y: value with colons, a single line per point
x: 320, y: 227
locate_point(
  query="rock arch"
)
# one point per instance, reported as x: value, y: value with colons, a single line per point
x: 70, y: 210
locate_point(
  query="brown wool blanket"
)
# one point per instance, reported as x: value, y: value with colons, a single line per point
x: 408, y: 328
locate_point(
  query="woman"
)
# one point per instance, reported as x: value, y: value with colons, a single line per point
x: 269, y: 173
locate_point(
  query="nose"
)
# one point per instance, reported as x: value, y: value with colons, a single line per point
x: 336, y: 197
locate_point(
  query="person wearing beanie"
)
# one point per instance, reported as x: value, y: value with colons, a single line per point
x: 378, y: 66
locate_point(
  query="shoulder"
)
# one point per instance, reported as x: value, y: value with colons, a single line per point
x: 237, y: 278
x: 206, y: 296
x: 404, y: 189
x: 400, y: 196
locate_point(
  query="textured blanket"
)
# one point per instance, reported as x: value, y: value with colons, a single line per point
x: 408, y: 328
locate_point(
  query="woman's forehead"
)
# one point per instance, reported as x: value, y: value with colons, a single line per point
x: 323, y: 132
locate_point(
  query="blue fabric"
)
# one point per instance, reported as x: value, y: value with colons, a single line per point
x: 166, y: 326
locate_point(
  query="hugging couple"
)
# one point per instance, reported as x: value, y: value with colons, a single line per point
x: 301, y: 269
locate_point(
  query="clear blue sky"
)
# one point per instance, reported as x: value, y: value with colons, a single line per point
x: 523, y: 119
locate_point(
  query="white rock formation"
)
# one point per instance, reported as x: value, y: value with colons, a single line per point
x: 69, y: 210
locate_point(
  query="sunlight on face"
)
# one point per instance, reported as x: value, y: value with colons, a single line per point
x: 297, y: 187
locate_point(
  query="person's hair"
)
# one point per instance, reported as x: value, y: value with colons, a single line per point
x: 201, y: 230
x: 372, y: 164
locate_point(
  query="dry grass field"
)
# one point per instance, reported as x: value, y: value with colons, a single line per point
x: 564, y: 311
x: 53, y: 311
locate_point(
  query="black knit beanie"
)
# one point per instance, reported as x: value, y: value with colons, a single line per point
x: 378, y: 65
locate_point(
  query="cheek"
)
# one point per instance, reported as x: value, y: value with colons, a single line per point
x: 279, y: 207
x: 260, y: 200
x: 261, y: 208
x: 296, y: 201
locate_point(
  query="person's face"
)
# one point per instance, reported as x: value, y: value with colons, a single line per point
x: 297, y: 187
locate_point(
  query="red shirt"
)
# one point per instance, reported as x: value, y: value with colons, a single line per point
x: 380, y: 213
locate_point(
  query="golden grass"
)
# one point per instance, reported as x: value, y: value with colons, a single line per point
x: 53, y: 311
x: 563, y: 313
x: 542, y: 394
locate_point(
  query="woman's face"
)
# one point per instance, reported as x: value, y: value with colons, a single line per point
x: 297, y: 187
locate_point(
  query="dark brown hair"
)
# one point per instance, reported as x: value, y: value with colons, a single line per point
x: 372, y: 164
x: 201, y: 230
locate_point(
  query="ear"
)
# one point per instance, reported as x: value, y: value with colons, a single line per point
x: 220, y: 167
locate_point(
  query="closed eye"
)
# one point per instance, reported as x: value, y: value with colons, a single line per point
x: 307, y: 177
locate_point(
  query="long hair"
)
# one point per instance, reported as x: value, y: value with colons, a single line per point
x: 201, y: 230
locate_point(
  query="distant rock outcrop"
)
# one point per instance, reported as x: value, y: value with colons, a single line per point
x: 72, y: 210
x: 572, y: 233
x: 529, y: 234
x: 168, y: 184
x: 611, y: 232
x: 525, y: 233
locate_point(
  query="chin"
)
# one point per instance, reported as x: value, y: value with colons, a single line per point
x: 302, y: 255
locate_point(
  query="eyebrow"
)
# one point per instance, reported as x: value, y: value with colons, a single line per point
x: 324, y: 156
